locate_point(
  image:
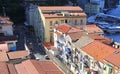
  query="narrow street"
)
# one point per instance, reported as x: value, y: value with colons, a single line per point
x: 24, y: 35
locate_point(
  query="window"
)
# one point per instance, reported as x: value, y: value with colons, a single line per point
x: 62, y: 21
x: 66, y: 21
x: 51, y: 29
x: 51, y: 36
x: 56, y: 22
x: 51, y: 23
x: 75, y: 22
x: 81, y: 21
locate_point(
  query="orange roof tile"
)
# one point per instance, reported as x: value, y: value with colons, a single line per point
x: 65, y: 28
x: 3, y: 56
x: 53, y: 48
x: 98, y: 50
x: 37, y: 67
x: 75, y: 36
x: 7, y: 68
x: 100, y: 38
x: 12, y: 69
x: 54, y: 8
x: 3, y: 68
x: 92, y: 28
x: 21, y: 69
x: 18, y: 54
x: 114, y: 58
x: 59, y: 34
x: 4, y: 47
x: 48, y: 44
x: 73, y: 30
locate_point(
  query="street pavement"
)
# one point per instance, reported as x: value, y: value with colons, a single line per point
x: 26, y: 36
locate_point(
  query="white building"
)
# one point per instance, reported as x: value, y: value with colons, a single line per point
x: 6, y: 26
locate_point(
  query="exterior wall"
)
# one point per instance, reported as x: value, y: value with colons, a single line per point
x: 54, y: 52
x: 30, y: 14
x: 11, y: 45
x: 91, y: 8
x: 7, y: 30
x: 38, y: 23
x: 49, y: 28
x: 42, y: 26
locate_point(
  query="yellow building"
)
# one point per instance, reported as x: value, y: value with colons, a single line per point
x: 46, y: 18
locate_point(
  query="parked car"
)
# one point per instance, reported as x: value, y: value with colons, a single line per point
x: 46, y: 57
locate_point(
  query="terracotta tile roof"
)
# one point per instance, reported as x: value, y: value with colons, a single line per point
x: 92, y: 28
x: 3, y: 56
x: 58, y: 34
x: 53, y: 48
x: 12, y: 69
x: 7, y: 38
x: 7, y: 68
x: 100, y: 38
x: 37, y: 67
x: 98, y: 50
x: 18, y: 54
x: 114, y: 58
x: 21, y: 69
x: 65, y: 28
x: 83, y: 41
x: 48, y: 44
x: 4, y: 47
x: 74, y: 30
x: 3, y: 68
x: 55, y: 8
x: 50, y: 67
x: 75, y: 36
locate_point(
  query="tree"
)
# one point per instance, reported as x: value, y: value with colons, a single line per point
x: 13, y: 9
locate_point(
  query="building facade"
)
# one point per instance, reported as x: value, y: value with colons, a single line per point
x: 6, y: 33
x: 92, y: 8
x: 46, y: 18
x: 6, y: 26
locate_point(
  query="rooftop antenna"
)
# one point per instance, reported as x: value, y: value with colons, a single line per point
x: 4, y: 13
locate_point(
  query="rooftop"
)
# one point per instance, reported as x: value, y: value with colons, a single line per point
x: 3, y: 56
x: 75, y: 36
x: 4, y: 47
x: 92, y: 28
x: 58, y: 34
x: 37, y: 67
x: 114, y: 58
x: 7, y: 68
x: 100, y: 38
x: 59, y: 8
x: 83, y: 41
x: 18, y: 54
x: 98, y: 50
x: 5, y: 20
x: 66, y: 28
x: 48, y: 44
